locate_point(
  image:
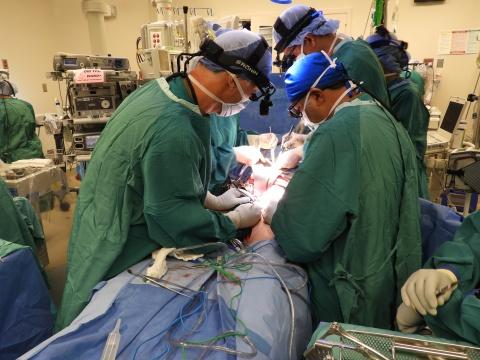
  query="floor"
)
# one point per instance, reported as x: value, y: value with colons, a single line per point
x: 57, y: 225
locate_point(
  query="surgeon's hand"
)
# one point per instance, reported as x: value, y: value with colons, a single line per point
x: 289, y: 159
x: 426, y: 289
x: 293, y: 140
x: 231, y: 198
x: 270, y: 202
x: 248, y: 155
x: 226, y: 201
x: 246, y: 215
x: 260, y: 232
x: 408, y: 320
x: 263, y: 141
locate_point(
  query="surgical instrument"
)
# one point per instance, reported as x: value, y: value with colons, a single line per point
x: 272, y: 150
x: 158, y: 283
x: 285, y: 138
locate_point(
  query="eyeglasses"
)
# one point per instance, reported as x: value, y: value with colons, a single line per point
x: 294, y: 112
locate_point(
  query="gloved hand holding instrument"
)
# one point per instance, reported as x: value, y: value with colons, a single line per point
x: 426, y: 289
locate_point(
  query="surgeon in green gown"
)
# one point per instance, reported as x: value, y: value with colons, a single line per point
x: 18, y: 139
x: 231, y: 144
x: 316, y: 33
x: 454, y: 272
x: 406, y: 102
x: 146, y: 185
x: 350, y: 213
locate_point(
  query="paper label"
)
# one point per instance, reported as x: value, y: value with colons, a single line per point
x: 88, y: 76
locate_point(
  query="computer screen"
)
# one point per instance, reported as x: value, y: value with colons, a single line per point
x: 452, y: 115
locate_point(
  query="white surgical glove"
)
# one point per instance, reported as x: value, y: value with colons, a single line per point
x: 245, y: 215
x: 408, y: 320
x: 293, y: 140
x: 228, y: 200
x: 247, y: 155
x: 263, y: 141
x: 289, y: 159
x: 270, y: 202
x: 426, y: 289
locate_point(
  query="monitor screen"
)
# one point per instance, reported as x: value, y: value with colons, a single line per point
x: 452, y: 115
x: 70, y: 61
x: 91, y: 141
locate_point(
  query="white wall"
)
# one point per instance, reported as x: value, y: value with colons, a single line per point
x: 28, y: 42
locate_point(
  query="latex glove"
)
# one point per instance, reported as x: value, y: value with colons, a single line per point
x: 245, y: 215
x: 228, y: 200
x: 263, y: 141
x: 247, y: 155
x: 289, y: 159
x: 270, y: 202
x: 293, y: 140
x: 408, y: 320
x: 427, y: 289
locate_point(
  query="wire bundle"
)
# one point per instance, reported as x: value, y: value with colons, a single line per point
x: 226, y: 266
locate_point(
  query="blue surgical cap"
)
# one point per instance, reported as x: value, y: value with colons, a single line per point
x: 389, y: 50
x: 319, y: 25
x: 242, y: 44
x: 304, y: 72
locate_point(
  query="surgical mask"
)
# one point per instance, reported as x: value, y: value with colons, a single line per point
x: 313, y: 126
x: 302, y: 54
x: 228, y: 109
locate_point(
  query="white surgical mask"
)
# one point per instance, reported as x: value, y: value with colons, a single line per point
x: 313, y: 126
x: 302, y: 54
x: 228, y: 109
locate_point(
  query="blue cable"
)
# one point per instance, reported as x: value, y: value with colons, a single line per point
x: 204, y: 303
x: 167, y: 328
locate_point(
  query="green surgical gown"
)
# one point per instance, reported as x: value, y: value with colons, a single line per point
x: 18, y: 139
x: 417, y: 80
x: 144, y: 189
x: 408, y: 108
x: 362, y: 65
x: 13, y: 228
x: 350, y: 216
x: 226, y: 134
x: 459, y: 318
